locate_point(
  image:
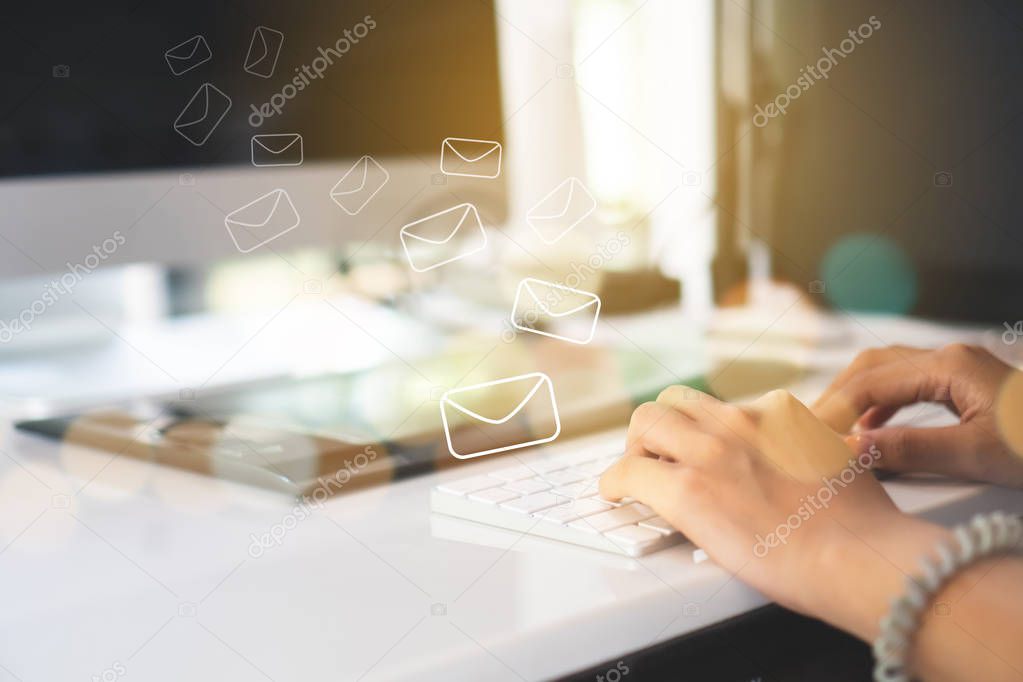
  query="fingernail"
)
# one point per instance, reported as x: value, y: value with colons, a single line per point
x: 859, y: 442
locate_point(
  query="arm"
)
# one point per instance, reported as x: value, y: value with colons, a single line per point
x: 775, y: 496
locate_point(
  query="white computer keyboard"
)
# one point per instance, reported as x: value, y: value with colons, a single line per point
x: 557, y: 499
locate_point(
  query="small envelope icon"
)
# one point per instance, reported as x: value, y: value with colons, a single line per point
x: 538, y: 303
x: 279, y: 149
x: 444, y: 237
x: 185, y: 56
x: 262, y: 220
x: 470, y: 158
x: 202, y: 114
x: 501, y: 415
x: 562, y: 209
x: 360, y: 184
x: 265, y: 48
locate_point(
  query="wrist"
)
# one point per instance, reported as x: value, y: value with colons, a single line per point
x: 861, y: 571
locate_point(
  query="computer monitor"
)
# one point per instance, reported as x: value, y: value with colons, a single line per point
x: 878, y: 151
x: 134, y: 128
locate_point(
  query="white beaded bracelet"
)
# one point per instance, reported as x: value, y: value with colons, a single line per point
x: 984, y: 536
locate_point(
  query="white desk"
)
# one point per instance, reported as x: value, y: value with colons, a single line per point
x: 147, y: 575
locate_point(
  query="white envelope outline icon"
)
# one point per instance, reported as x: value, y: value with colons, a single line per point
x: 262, y: 220
x: 187, y: 55
x: 561, y: 210
x: 414, y: 234
x: 354, y: 190
x: 459, y: 153
x: 544, y: 298
x: 277, y: 149
x: 534, y: 383
x: 264, y: 50
x: 197, y: 126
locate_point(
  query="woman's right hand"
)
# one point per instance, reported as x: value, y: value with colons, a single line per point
x: 985, y: 393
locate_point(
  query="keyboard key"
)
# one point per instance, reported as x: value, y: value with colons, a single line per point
x: 565, y: 476
x: 632, y: 535
x: 528, y: 486
x: 515, y: 473
x: 577, y: 490
x: 543, y: 466
x: 468, y: 485
x: 598, y: 467
x: 609, y: 520
x: 534, y: 503
x: 658, y: 524
x: 567, y: 513
x: 644, y: 509
x: 494, y: 496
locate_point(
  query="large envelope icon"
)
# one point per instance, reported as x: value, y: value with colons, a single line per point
x: 279, y: 149
x: 185, y: 56
x: 262, y: 220
x: 501, y: 415
x: 561, y: 210
x: 202, y: 114
x: 443, y: 237
x: 360, y: 184
x: 538, y: 304
x: 265, y: 48
x: 470, y: 158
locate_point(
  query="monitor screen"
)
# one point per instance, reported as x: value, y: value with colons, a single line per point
x: 137, y: 86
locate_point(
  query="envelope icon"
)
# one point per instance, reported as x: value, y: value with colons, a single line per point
x: 501, y: 415
x: 561, y: 210
x: 185, y: 56
x: 470, y: 158
x: 538, y: 304
x: 262, y: 220
x: 202, y: 114
x: 444, y: 237
x: 279, y: 149
x: 359, y: 184
x: 265, y: 48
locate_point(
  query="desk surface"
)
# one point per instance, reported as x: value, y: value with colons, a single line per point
x: 151, y: 573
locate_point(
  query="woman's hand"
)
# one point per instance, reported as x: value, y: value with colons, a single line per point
x: 984, y: 392
x: 774, y: 496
